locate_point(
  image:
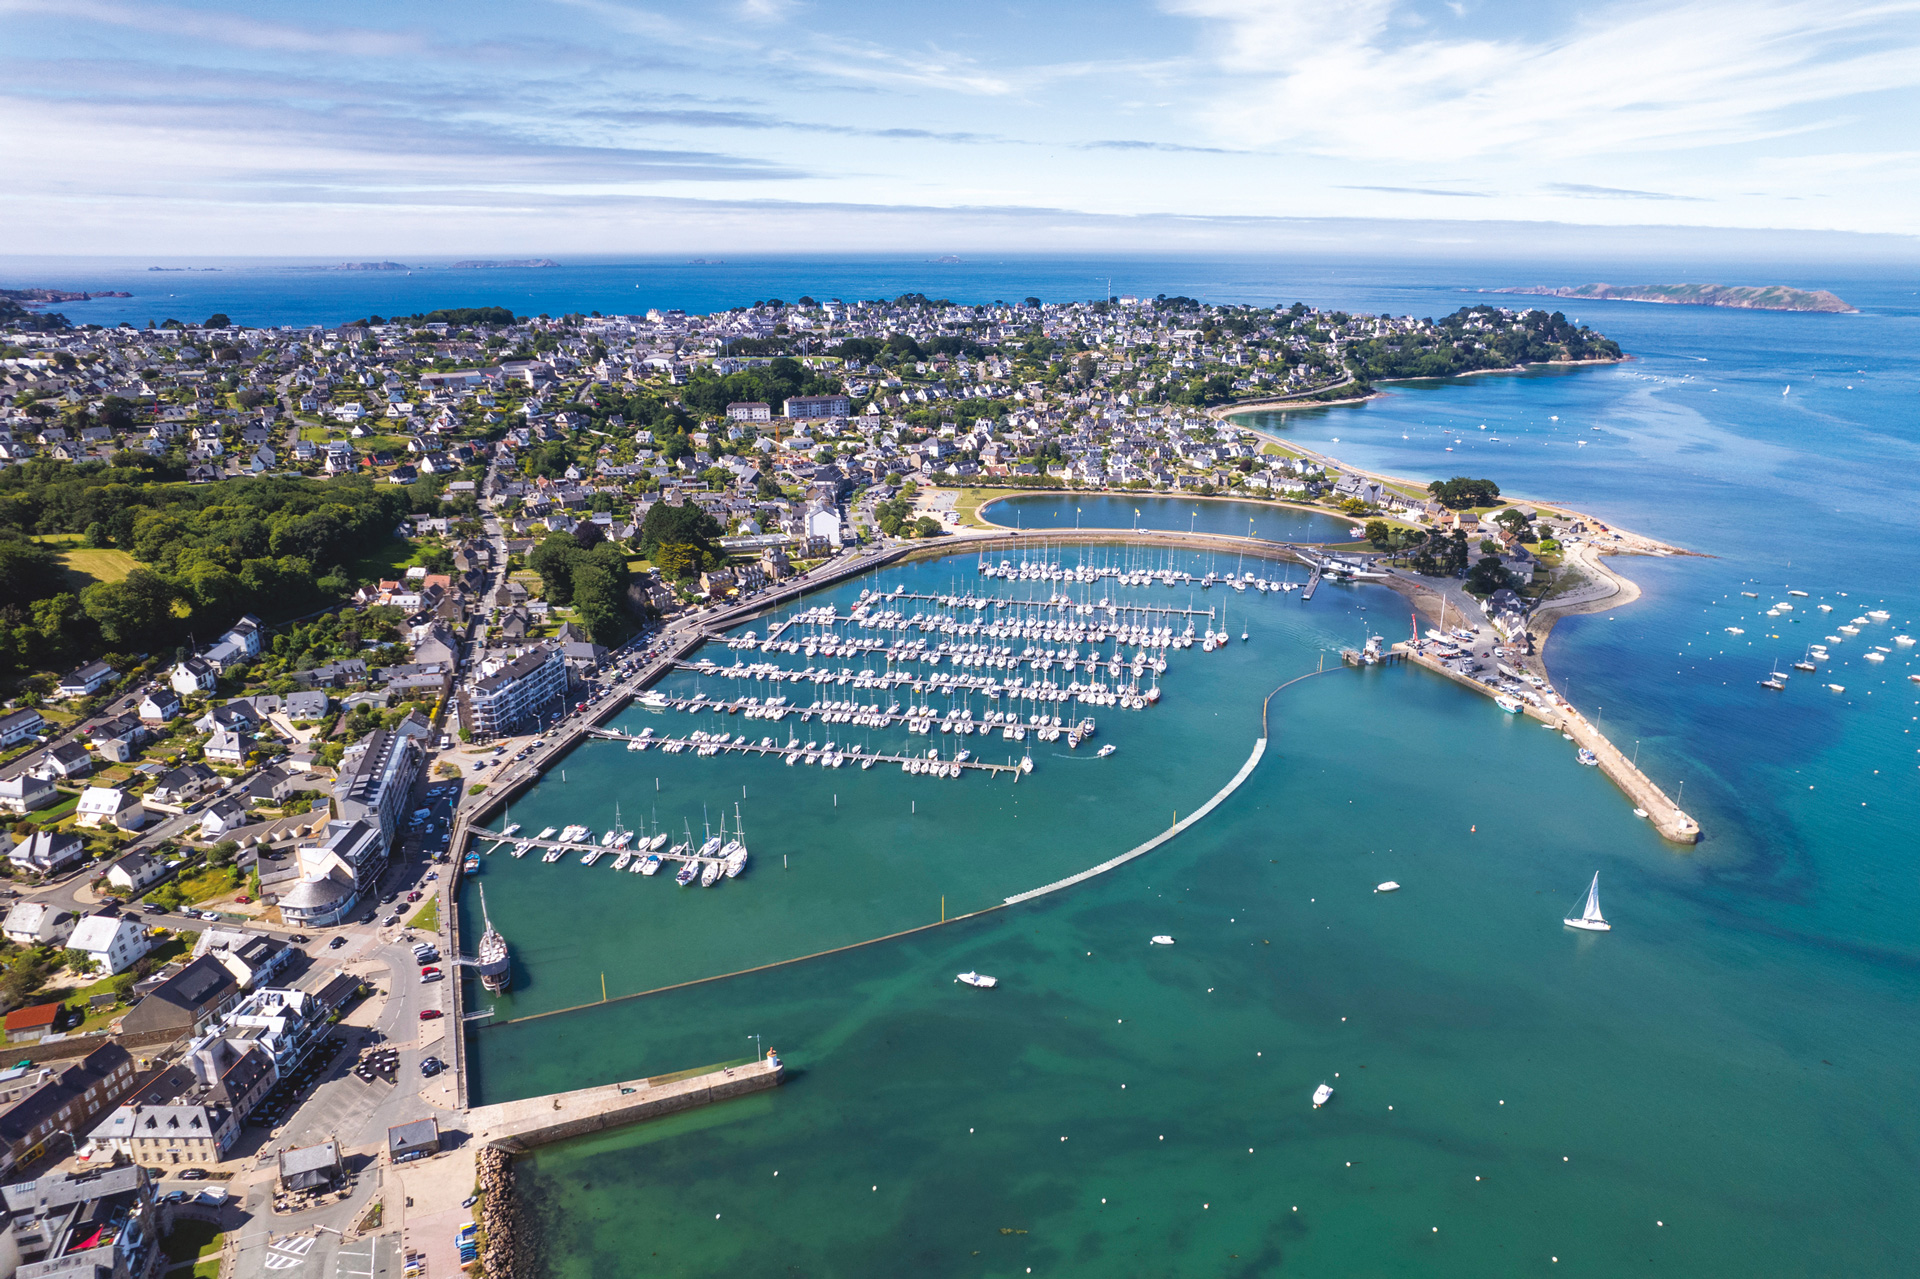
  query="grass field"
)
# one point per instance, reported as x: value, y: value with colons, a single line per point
x: 383, y: 563
x: 87, y: 566
x: 427, y: 917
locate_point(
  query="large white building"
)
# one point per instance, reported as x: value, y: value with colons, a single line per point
x: 375, y: 780
x: 508, y: 698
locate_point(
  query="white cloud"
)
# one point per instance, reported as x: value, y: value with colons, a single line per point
x: 1339, y: 79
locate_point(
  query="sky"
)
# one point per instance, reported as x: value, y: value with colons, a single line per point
x: 550, y: 126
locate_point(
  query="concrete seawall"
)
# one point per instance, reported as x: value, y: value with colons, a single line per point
x: 519, y: 1126
x: 1666, y: 816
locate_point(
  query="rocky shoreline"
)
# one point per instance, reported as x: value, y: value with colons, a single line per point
x: 495, y: 1170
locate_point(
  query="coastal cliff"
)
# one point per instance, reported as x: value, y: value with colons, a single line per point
x: 1772, y: 297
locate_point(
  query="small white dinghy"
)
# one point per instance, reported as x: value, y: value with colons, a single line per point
x: 1591, y: 919
x: 1321, y: 1096
x: 981, y: 980
x: 1391, y: 886
x: 1160, y: 939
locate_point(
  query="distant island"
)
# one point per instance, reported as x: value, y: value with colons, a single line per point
x: 469, y: 264
x: 1772, y: 297
x: 30, y: 298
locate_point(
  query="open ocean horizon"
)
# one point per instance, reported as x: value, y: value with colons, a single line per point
x: 1722, y: 1085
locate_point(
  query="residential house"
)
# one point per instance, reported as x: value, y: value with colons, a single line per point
x: 193, y: 675
x: 118, y: 738
x: 160, y: 705
x: 135, y: 873
x: 88, y: 680
x: 240, y: 643
x: 224, y: 816
x: 47, y: 852
x: 25, y: 793
x: 38, y: 924
x: 109, y: 807
x: 228, y: 746
x: 112, y: 942
x: 271, y: 785
x: 68, y: 759
x: 177, y: 789
x: 18, y: 726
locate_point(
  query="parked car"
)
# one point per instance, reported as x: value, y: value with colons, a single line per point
x: 194, y: 1174
x: 431, y: 1014
x: 208, y: 914
x: 430, y: 974
x: 431, y: 1067
x: 243, y: 899
x: 298, y: 937
x: 414, y: 896
x: 390, y: 921
x: 336, y: 943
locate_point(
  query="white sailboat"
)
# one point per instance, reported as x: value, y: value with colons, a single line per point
x: 1591, y: 920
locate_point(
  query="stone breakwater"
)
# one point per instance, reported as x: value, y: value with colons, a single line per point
x: 495, y: 1167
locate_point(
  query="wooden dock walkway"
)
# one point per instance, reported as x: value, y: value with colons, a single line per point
x: 1313, y: 584
x: 930, y: 764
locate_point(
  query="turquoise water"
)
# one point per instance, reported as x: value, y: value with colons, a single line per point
x: 1167, y: 514
x: 1733, y: 1060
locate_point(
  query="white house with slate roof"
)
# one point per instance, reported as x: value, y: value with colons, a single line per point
x: 113, y: 942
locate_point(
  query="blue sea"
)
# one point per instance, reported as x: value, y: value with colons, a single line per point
x: 1722, y: 1085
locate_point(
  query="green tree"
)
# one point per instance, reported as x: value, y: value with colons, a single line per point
x: 131, y: 610
x: 553, y: 560
x: 1380, y: 533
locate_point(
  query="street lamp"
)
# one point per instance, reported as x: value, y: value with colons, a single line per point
x: 757, y: 1053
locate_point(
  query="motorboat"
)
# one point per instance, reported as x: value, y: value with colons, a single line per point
x: 1160, y: 939
x: 1105, y: 751
x: 1390, y: 886
x: 689, y: 871
x: 1322, y: 1095
x: 1511, y: 705
x: 1591, y: 920
x: 1587, y: 757
x: 980, y: 980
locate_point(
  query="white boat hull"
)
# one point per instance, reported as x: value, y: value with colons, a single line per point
x: 1589, y: 925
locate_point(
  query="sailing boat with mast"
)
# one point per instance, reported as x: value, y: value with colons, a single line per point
x: 1591, y: 920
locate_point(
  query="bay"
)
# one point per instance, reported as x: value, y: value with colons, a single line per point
x: 1733, y: 1061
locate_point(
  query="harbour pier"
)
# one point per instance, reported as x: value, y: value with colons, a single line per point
x: 829, y: 756
x: 517, y: 1127
x: 1667, y: 818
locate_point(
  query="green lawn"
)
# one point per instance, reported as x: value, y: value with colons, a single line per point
x: 384, y: 563
x: 88, y: 565
x: 428, y: 917
x: 208, y: 883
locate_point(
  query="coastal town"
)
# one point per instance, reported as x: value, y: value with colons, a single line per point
x: 279, y: 607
